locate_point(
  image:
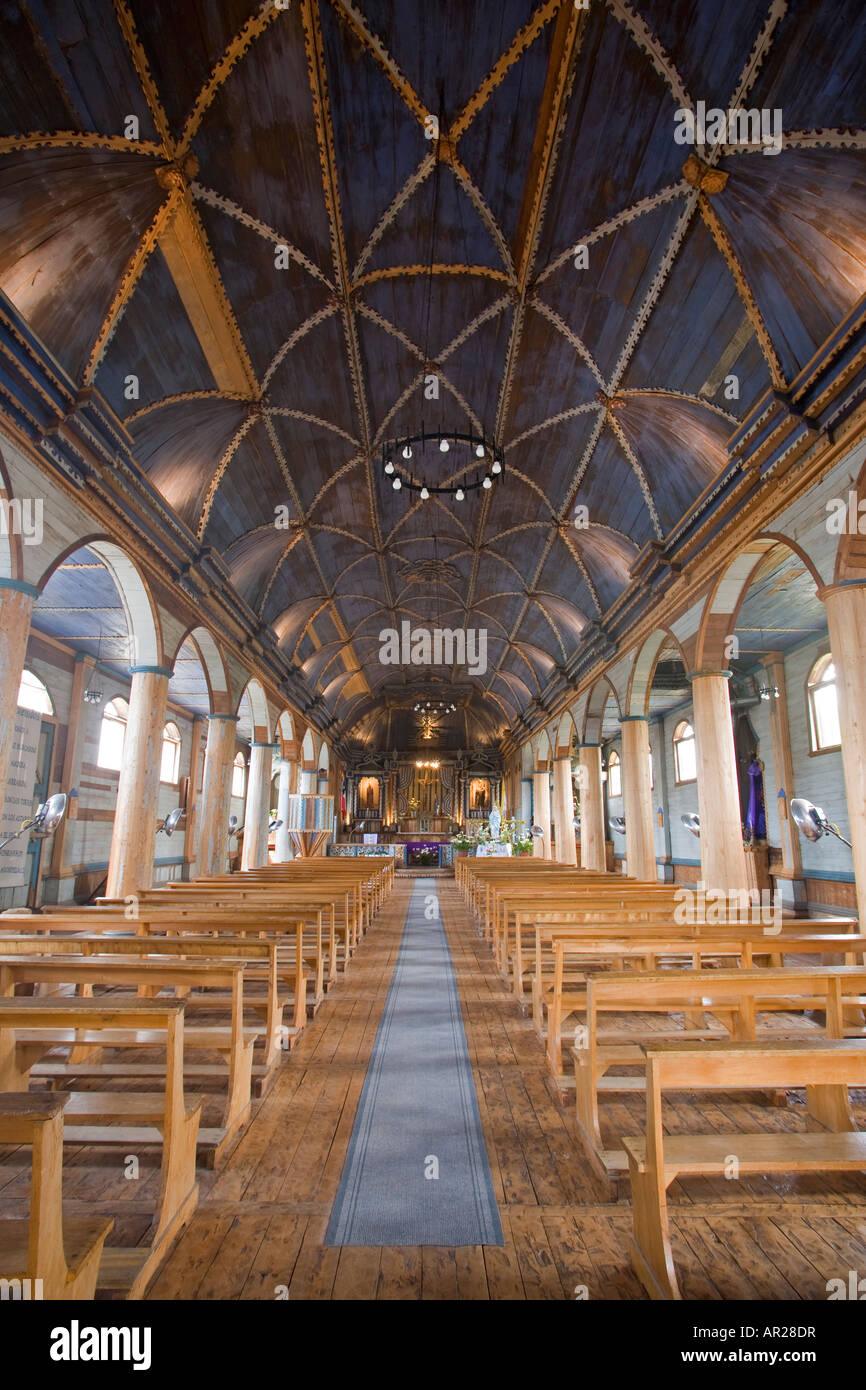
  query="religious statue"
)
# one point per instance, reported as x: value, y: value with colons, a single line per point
x: 756, y: 816
x: 494, y: 820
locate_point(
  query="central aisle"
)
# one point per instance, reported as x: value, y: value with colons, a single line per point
x: 417, y: 1170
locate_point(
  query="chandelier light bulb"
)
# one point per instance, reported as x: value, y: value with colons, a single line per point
x: 396, y: 485
x: 424, y: 494
x: 389, y: 467
x: 444, y: 446
x: 407, y: 451
x: 496, y: 466
x: 479, y: 451
x: 460, y: 494
x: 488, y: 481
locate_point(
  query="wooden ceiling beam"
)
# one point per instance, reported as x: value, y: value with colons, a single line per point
x: 187, y: 254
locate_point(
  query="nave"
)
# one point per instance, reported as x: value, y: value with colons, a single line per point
x: 261, y: 1222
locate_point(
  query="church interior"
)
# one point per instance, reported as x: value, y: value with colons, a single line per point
x: 432, y: 650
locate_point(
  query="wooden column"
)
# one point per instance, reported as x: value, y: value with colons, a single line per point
x: 282, y: 847
x: 563, y: 812
x: 69, y: 776
x: 541, y: 797
x: 592, y: 852
x: 640, y: 849
x: 216, y: 793
x: 16, y: 606
x: 723, y: 862
x: 846, y: 618
x: 257, y: 808
x: 133, y: 839
x: 192, y: 819
x: 792, y: 862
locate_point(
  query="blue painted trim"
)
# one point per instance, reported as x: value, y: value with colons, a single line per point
x: 151, y: 670
x: 20, y: 586
x: 833, y: 875
x: 689, y: 863
x: 634, y: 719
x: 589, y: 745
x: 234, y: 717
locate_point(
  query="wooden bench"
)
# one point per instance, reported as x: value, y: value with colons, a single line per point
x: 734, y: 996
x: 259, y: 957
x: 561, y: 991
x: 58, y: 1255
x: 655, y: 1160
x: 301, y: 955
x: 29, y: 1027
x: 234, y: 1043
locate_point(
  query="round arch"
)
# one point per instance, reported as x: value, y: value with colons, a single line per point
x: 565, y: 731
x: 726, y: 597
x: 601, y: 692
x: 139, y: 609
x: 285, y: 729
x: 543, y: 752
x: 643, y: 670
x: 258, y: 705
x: 208, y: 652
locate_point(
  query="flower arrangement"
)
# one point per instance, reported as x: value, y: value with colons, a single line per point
x: 512, y: 832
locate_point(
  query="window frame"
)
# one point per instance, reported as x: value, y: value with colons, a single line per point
x: 116, y: 719
x: 675, y: 744
x: 176, y: 744
x: 816, y: 750
x: 614, y: 759
x: 44, y: 714
x: 239, y: 765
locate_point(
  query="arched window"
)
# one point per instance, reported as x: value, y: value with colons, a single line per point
x: 614, y: 775
x: 685, y: 758
x: 239, y: 775
x: 824, y: 727
x: 170, y: 765
x: 112, y: 734
x: 32, y: 694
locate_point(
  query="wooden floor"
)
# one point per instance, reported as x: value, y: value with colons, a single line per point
x: 262, y: 1218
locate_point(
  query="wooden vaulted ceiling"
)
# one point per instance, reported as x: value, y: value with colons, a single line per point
x: 258, y: 262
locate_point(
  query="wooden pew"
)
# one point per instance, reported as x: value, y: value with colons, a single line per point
x: 234, y: 1043
x: 260, y: 959
x: 561, y: 992
x: 301, y: 955
x: 58, y: 1255
x: 734, y: 996
x: 825, y: 1069
x: 29, y: 1027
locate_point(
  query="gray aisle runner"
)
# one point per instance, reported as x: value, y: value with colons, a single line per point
x: 416, y: 1172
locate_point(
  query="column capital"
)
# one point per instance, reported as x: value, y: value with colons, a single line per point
x: 634, y: 719
x: 589, y: 745
x: 257, y: 744
x: 227, y: 718
x: 20, y: 586
x: 826, y: 590
x: 151, y: 671
x: 696, y: 675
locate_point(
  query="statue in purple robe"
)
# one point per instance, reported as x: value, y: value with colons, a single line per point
x: 756, y: 816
